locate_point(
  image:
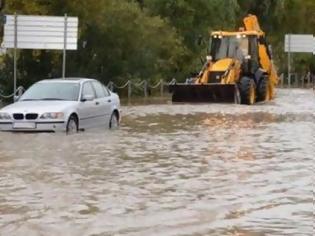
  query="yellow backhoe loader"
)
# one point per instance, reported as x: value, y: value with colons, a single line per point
x: 239, y: 69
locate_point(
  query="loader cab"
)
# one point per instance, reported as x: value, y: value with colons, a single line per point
x: 243, y: 47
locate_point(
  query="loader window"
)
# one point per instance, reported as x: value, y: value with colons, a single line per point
x: 229, y: 47
x: 253, y: 48
x: 219, y: 48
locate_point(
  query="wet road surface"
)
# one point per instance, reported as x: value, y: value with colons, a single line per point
x: 169, y: 170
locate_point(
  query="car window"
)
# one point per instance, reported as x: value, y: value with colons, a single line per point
x: 67, y: 91
x: 106, y: 91
x: 100, y: 93
x: 88, y: 89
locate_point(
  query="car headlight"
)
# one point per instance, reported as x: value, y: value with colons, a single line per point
x: 52, y: 115
x: 5, y: 116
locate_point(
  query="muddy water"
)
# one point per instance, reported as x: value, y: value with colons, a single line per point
x: 169, y: 170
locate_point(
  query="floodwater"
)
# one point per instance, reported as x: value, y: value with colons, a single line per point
x: 169, y: 170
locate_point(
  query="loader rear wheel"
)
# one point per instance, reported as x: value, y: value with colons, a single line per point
x: 263, y: 90
x: 247, y: 90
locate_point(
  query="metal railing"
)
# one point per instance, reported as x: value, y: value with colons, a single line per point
x: 143, y: 86
x: 297, y: 81
x: 19, y: 91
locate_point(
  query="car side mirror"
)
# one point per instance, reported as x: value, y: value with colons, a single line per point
x: 87, y: 97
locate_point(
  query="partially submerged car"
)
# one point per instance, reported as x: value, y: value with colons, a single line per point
x: 69, y: 105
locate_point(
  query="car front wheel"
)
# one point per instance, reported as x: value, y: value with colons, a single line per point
x: 72, y: 125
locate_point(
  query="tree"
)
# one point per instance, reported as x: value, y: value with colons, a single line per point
x: 152, y: 39
x: 117, y: 41
x: 194, y: 20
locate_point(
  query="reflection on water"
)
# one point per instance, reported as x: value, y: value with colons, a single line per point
x: 169, y: 170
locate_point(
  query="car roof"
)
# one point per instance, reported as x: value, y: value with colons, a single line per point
x: 67, y: 80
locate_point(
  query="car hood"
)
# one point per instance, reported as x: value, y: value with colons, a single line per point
x: 38, y: 106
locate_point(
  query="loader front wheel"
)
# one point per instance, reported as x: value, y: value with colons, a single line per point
x: 247, y: 90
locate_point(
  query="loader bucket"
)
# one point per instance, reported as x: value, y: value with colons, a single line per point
x: 205, y: 93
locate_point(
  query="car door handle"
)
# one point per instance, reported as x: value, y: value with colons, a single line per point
x: 97, y: 103
x: 109, y: 100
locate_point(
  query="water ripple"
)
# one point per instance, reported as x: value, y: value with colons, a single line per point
x: 169, y: 170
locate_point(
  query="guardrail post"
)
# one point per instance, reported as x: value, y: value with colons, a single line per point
x: 145, y: 88
x: 281, y: 80
x: 20, y: 91
x: 173, y: 81
x: 129, y: 89
x: 162, y: 87
x: 309, y: 80
x: 111, y: 86
x: 289, y: 81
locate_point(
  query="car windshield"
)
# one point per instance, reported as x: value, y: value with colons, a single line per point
x: 52, y: 91
x: 229, y: 47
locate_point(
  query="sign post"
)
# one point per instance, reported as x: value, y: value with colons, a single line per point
x: 65, y: 48
x: 40, y: 32
x: 298, y: 43
x: 289, y: 60
x: 15, y: 52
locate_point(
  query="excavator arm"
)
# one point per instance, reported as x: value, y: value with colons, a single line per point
x: 251, y: 24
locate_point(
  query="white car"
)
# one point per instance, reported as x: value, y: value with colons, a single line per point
x: 69, y: 105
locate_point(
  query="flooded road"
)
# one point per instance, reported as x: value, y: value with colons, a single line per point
x: 169, y: 170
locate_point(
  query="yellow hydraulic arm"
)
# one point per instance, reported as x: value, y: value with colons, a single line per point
x: 251, y: 24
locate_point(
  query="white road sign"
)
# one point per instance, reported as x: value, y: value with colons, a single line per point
x: 41, y: 32
x: 300, y: 43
